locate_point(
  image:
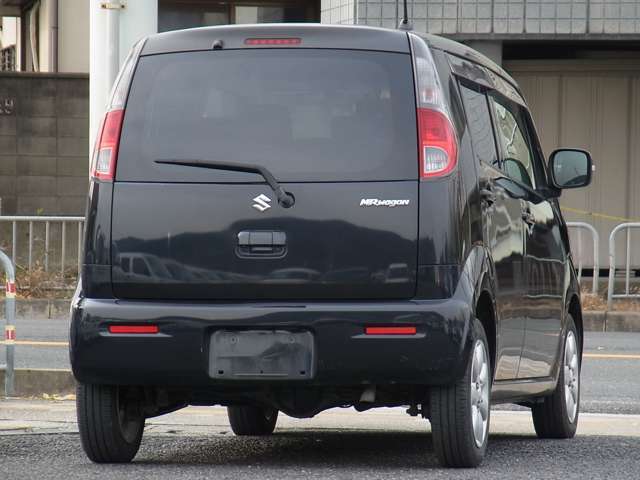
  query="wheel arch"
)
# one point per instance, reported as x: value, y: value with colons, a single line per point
x: 477, y: 274
x: 574, y: 308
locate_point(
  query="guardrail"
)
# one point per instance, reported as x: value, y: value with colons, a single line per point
x: 612, y: 263
x: 595, y: 240
x: 31, y: 220
x: 9, y: 328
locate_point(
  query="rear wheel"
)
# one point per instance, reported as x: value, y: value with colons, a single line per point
x: 557, y: 415
x: 249, y: 420
x: 110, y: 421
x: 460, y: 412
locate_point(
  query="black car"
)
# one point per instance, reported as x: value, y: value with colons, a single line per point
x: 299, y: 217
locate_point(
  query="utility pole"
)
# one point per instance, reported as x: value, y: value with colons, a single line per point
x: 115, y: 26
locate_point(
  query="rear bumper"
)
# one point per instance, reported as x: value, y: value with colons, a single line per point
x: 179, y: 354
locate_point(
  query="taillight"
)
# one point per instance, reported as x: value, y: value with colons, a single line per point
x: 106, y: 150
x: 438, y: 145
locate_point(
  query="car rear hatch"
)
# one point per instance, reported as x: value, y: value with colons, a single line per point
x: 336, y: 128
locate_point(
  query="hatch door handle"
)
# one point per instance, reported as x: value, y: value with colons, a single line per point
x: 261, y: 243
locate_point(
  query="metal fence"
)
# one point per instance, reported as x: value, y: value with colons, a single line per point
x: 612, y: 264
x: 9, y: 327
x: 579, y: 251
x: 32, y: 221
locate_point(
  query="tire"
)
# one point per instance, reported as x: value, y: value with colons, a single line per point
x: 110, y: 422
x: 556, y: 416
x: 455, y: 409
x: 249, y: 420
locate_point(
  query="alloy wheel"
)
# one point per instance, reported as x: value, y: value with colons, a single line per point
x: 480, y: 393
x: 571, y: 376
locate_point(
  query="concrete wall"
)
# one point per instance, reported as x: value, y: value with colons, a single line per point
x: 508, y: 18
x: 44, y: 145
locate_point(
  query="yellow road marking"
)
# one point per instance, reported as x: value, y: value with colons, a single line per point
x: 613, y: 356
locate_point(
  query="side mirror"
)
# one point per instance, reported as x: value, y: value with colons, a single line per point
x: 570, y: 168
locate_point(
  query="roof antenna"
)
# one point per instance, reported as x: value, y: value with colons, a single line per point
x: 405, y: 24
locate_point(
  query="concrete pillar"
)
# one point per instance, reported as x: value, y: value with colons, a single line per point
x: 137, y: 19
x: 489, y: 48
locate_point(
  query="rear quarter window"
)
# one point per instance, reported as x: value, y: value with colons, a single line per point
x: 305, y: 114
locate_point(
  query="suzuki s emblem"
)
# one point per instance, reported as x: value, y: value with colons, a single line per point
x: 262, y: 202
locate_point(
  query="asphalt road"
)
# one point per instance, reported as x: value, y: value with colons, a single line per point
x: 338, y: 444
x: 610, y: 374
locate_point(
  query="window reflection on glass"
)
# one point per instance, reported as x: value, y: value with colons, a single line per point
x: 517, y: 157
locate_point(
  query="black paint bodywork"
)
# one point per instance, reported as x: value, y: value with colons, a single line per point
x: 452, y: 253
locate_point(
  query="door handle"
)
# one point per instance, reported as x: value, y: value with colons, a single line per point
x: 488, y: 195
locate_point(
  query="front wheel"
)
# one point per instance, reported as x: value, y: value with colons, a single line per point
x: 460, y: 413
x: 250, y: 420
x: 556, y: 416
x: 110, y: 421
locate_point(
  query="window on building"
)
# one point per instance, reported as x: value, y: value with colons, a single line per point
x: 269, y: 14
x: 8, y: 59
x: 179, y: 14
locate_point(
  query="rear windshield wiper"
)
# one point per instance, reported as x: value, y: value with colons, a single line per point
x: 285, y: 199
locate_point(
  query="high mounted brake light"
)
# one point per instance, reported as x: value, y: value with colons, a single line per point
x: 437, y: 141
x: 273, y: 41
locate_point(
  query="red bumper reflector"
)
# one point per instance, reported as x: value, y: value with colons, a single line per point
x: 133, y: 329
x: 390, y: 330
x: 273, y: 41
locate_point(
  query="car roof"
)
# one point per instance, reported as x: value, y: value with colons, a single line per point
x: 312, y: 36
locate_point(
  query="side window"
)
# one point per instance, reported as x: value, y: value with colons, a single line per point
x: 517, y: 154
x: 479, y: 121
x: 124, y: 263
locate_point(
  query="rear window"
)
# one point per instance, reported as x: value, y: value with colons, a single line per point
x: 305, y: 114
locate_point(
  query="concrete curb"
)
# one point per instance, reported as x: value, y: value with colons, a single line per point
x: 42, y: 309
x: 601, y: 321
x: 33, y: 382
